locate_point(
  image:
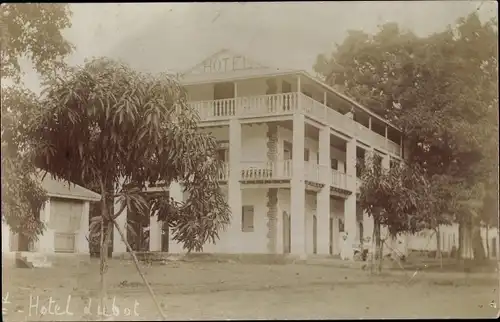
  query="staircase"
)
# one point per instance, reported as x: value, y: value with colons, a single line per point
x: 32, y: 260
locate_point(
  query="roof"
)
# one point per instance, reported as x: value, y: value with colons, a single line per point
x: 66, y: 190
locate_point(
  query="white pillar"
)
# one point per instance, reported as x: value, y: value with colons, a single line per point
x: 350, y: 203
x: 83, y: 233
x: 299, y: 89
x: 386, y: 139
x: 155, y: 228
x: 174, y: 192
x: 5, y: 237
x: 384, y: 231
x: 45, y: 243
x: 370, y: 122
x: 234, y: 187
x: 368, y: 222
x: 323, y: 212
x: 298, y: 188
x: 119, y: 246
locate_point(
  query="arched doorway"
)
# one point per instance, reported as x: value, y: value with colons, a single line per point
x: 286, y: 233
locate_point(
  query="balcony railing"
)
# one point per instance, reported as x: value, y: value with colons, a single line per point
x: 311, y: 171
x: 266, y: 170
x: 339, y: 179
x: 224, y: 172
x: 287, y: 103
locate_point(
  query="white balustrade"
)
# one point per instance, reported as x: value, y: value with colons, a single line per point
x: 223, y: 174
x: 339, y: 179
x: 312, y: 171
x: 285, y: 103
x: 266, y: 170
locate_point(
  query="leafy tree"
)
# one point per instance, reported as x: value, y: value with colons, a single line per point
x: 399, y: 198
x: 33, y: 31
x: 30, y: 31
x: 441, y: 91
x: 107, y: 123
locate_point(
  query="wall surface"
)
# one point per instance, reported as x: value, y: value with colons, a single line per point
x: 427, y: 241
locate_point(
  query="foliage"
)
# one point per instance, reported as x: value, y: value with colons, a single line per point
x: 33, y: 31
x: 22, y: 196
x: 104, y: 122
x: 399, y: 198
x: 441, y: 90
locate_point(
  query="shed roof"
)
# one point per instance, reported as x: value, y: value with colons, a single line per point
x: 66, y: 190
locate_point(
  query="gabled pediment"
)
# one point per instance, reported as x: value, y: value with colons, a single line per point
x: 224, y: 61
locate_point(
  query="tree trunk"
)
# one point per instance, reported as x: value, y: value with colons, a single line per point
x: 487, y: 242
x: 460, y: 238
x: 378, y: 244
x: 373, y: 249
x: 138, y: 267
x: 439, y: 254
x: 477, y: 243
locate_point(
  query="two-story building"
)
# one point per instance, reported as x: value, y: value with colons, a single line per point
x: 290, y: 144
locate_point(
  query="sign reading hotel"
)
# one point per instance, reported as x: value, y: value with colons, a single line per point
x: 225, y: 63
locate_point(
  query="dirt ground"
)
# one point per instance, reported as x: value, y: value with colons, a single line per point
x: 200, y: 290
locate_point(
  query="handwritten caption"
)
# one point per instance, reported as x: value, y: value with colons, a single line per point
x: 52, y: 307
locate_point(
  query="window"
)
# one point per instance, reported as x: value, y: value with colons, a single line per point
x: 334, y: 164
x: 287, y: 150
x: 341, y: 225
x: 222, y: 155
x: 247, y: 219
x: 306, y: 155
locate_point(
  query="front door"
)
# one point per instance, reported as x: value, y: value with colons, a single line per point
x: 286, y: 233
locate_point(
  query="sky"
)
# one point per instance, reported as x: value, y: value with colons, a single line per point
x: 158, y: 37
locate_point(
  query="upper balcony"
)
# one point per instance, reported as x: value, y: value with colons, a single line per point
x: 287, y: 104
x: 282, y: 171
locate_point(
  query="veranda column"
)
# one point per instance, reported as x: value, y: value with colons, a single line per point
x: 323, y: 213
x: 174, y: 192
x: 155, y: 227
x: 82, y: 243
x: 350, y: 202
x: 6, y: 233
x: 45, y: 243
x: 368, y: 222
x: 234, y: 187
x: 384, y: 232
x: 119, y: 246
x: 298, y: 189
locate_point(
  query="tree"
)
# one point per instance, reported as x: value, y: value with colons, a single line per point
x: 33, y: 31
x: 30, y: 31
x: 441, y: 91
x: 107, y: 123
x: 399, y: 198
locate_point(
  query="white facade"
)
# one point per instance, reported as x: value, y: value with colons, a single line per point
x: 290, y: 151
x: 449, y: 235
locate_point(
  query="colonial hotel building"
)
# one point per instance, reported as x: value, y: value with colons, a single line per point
x: 290, y: 145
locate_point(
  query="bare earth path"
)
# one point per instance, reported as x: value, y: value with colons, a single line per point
x: 243, y: 291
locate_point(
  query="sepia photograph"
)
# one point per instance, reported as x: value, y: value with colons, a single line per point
x: 249, y: 160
